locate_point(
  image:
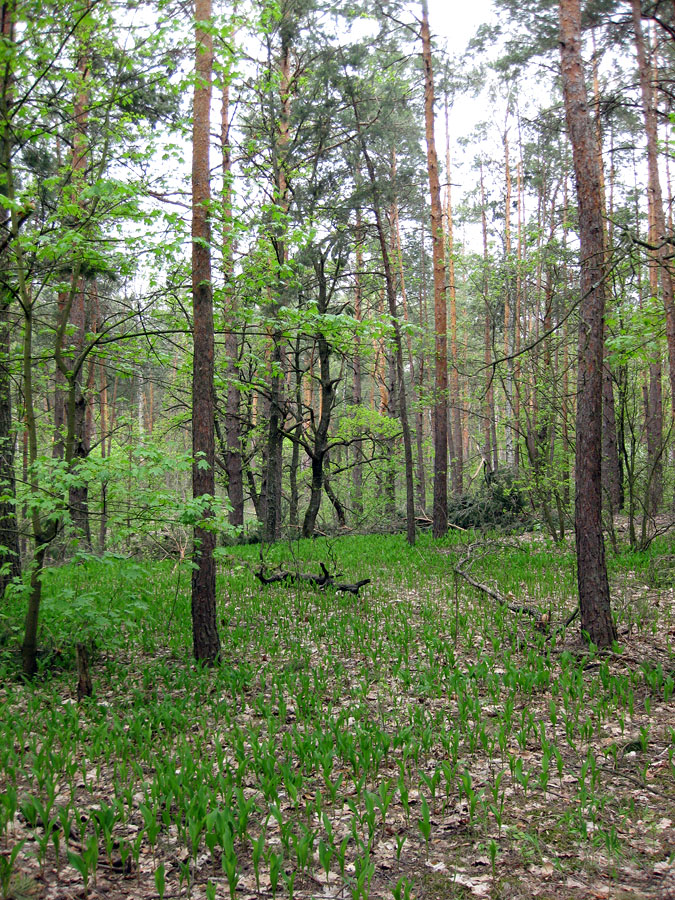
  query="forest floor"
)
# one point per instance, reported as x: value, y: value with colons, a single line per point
x: 418, y: 740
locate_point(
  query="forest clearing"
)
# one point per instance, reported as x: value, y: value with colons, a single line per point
x: 405, y: 742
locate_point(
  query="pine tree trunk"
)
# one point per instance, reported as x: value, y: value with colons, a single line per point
x: 509, y: 323
x: 489, y: 400
x: 440, y: 418
x: 419, y: 412
x: 455, y: 424
x: 275, y: 436
x: 658, y: 236
x: 611, y: 469
x: 594, y: 600
x: 357, y: 385
x: 391, y: 303
x: 414, y: 381
x: 233, y: 465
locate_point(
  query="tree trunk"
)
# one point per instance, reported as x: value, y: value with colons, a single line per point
x: 76, y: 310
x: 420, y: 411
x: 275, y: 436
x: 295, y: 453
x: 611, y: 470
x: 414, y: 381
x: 658, y: 231
x: 456, y: 457
x: 398, y: 343
x: 440, y: 419
x: 327, y: 384
x: 233, y: 465
x: 357, y: 386
x: 489, y: 397
x: 206, y: 643
x: 77, y: 444
x: 594, y: 600
x: 509, y: 317
x: 10, y: 557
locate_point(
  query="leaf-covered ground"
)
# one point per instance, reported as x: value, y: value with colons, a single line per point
x: 418, y: 740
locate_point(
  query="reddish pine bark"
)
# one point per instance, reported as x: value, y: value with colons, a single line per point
x: 440, y: 512
x: 233, y: 462
x: 594, y: 601
x: 457, y: 457
x: 660, y: 262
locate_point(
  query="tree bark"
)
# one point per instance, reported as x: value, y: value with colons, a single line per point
x: 594, y: 599
x: 77, y: 444
x: 233, y: 463
x: 611, y: 469
x: 206, y: 642
x: 440, y: 418
x: 357, y: 381
x: 275, y: 436
x: 509, y: 318
x: 319, y: 449
x: 10, y: 556
x: 456, y: 457
x: 489, y: 397
x: 658, y: 222
x: 420, y: 411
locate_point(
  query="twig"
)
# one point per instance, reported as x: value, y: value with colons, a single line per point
x: 495, y: 595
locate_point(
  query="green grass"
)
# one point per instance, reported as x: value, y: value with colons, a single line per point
x: 393, y: 742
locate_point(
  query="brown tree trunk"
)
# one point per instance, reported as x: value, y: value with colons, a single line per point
x: 77, y: 444
x: 104, y: 428
x: 398, y: 343
x: 654, y: 187
x: 233, y: 465
x: 298, y: 429
x: 440, y: 418
x: 457, y: 457
x: 206, y: 643
x: 275, y: 436
x: 59, y: 440
x: 420, y: 411
x: 594, y: 600
x: 660, y: 264
x: 357, y: 382
x: 76, y: 308
x: 319, y: 450
x: 414, y: 381
x: 509, y: 318
x: 611, y: 470
x: 565, y: 411
x: 489, y: 447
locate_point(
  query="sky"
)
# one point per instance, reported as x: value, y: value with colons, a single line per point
x: 455, y: 23
x: 458, y: 21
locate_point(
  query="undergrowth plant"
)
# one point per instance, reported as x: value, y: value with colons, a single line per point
x: 337, y: 730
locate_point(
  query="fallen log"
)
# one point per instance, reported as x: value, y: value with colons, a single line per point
x: 352, y: 588
x: 319, y: 581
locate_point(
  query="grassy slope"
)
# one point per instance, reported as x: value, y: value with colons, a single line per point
x: 410, y: 741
